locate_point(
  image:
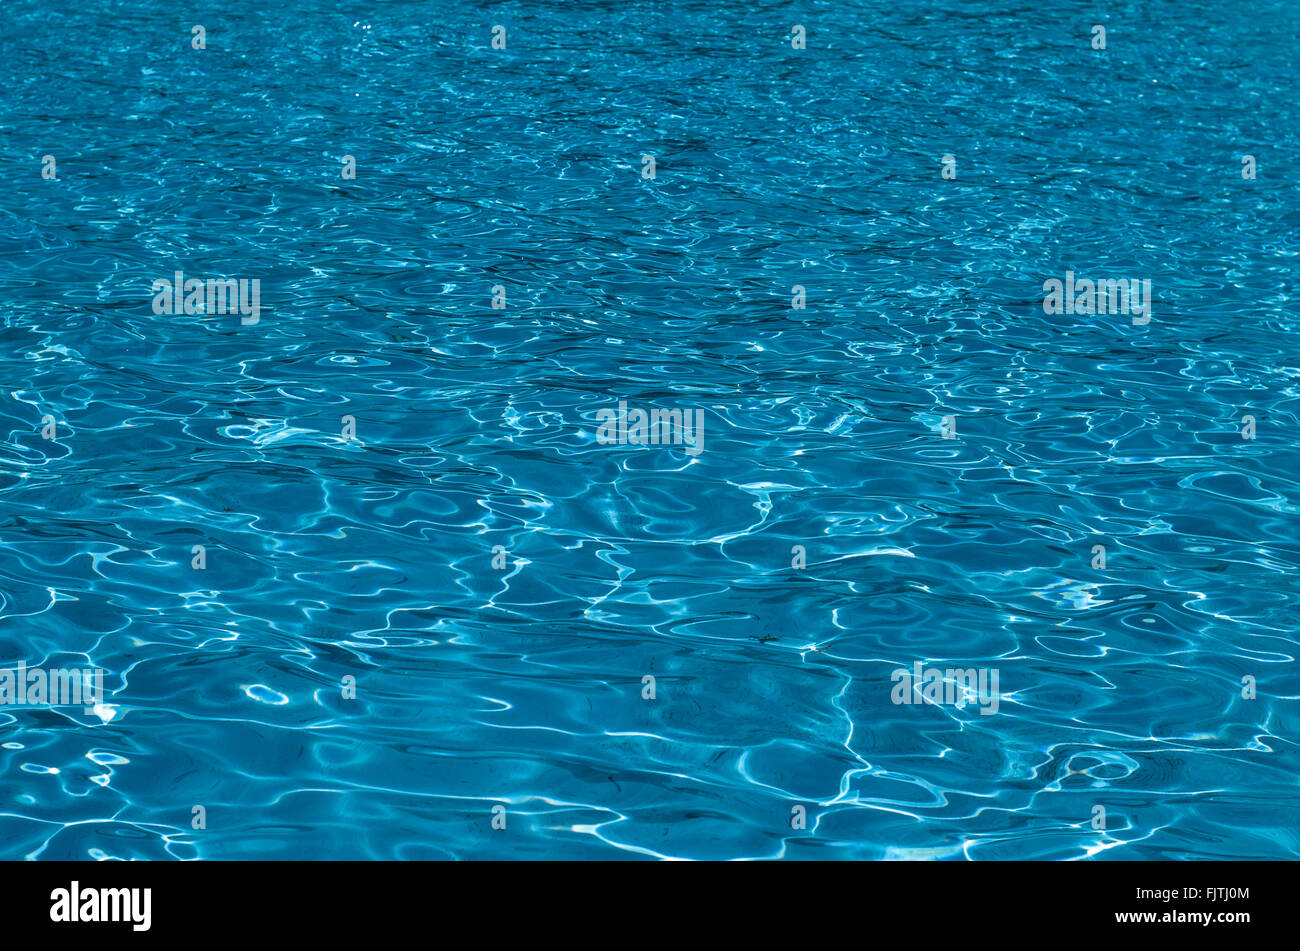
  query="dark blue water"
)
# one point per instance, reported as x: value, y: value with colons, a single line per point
x: 946, y: 453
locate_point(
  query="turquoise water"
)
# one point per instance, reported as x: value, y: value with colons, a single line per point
x: 916, y: 466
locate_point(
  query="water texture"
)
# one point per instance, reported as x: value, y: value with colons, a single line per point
x: 946, y: 453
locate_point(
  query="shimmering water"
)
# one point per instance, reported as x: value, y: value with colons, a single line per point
x: 521, y: 173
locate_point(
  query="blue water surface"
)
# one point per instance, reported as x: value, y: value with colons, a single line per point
x: 945, y: 454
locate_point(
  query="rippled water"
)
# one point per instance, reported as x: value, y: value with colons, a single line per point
x: 521, y: 172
